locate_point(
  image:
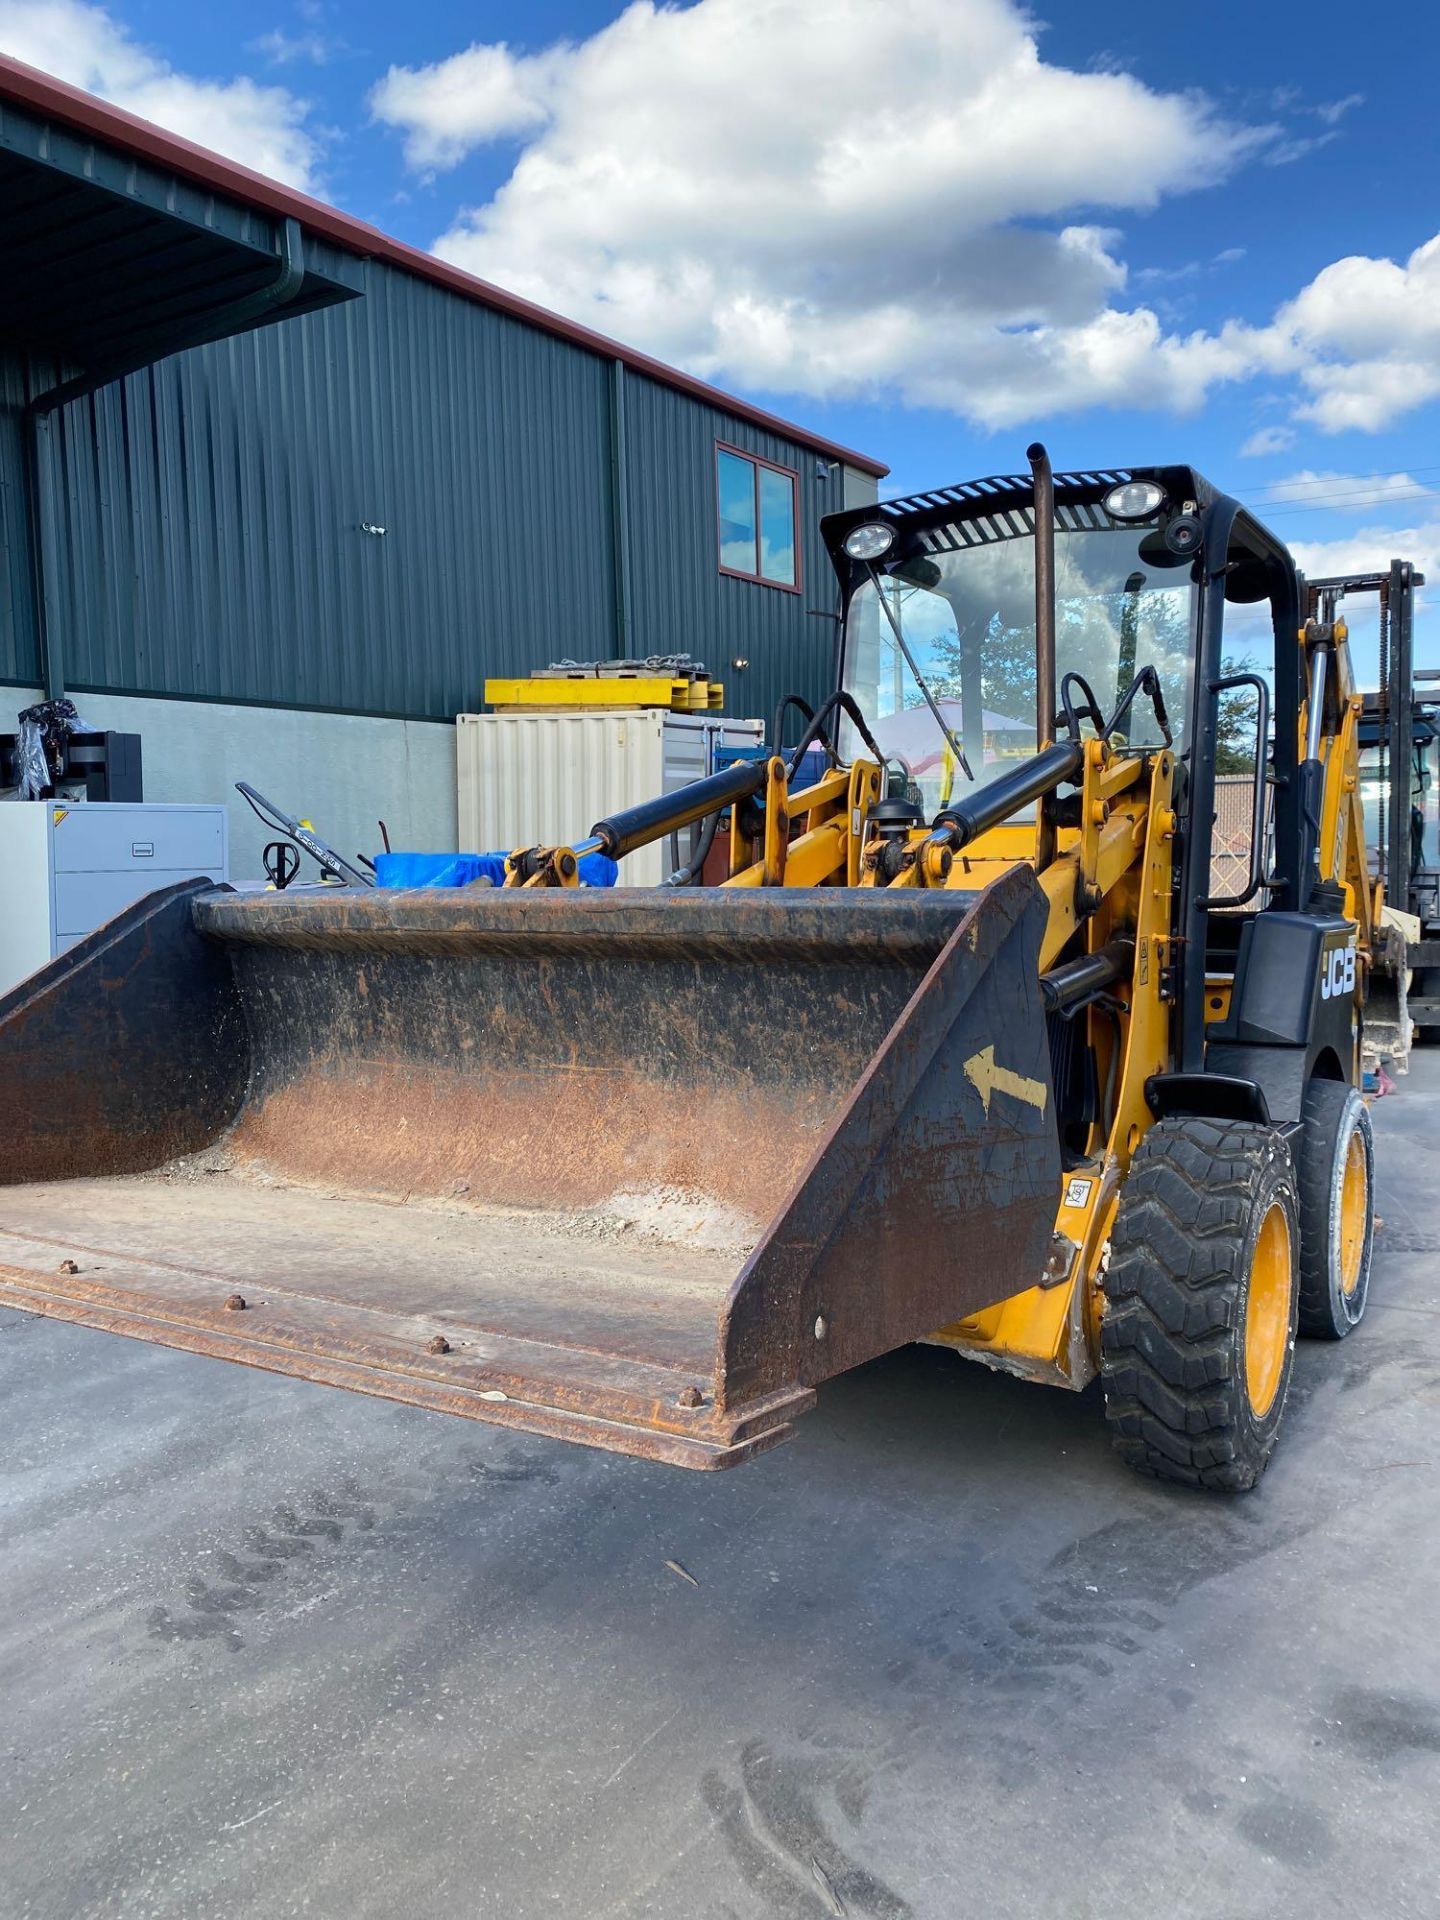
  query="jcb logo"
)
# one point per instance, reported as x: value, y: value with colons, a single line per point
x: 1337, y: 973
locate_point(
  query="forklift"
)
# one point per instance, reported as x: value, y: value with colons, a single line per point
x: 1399, y: 759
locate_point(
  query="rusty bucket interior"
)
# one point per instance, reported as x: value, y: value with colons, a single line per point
x: 637, y: 1169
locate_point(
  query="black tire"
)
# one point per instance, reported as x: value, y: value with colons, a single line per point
x: 1178, y: 1336
x: 1334, y: 1273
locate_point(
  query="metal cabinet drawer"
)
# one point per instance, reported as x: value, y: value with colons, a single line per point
x: 149, y: 840
x: 84, y: 901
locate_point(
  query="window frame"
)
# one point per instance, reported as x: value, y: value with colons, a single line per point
x: 760, y: 464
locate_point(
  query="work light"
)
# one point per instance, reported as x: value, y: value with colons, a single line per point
x: 870, y: 541
x: 1134, y: 500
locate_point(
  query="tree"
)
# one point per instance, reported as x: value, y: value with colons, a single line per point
x: 1105, y: 637
x: 1235, y: 721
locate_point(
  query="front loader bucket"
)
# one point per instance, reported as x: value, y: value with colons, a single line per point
x: 636, y: 1169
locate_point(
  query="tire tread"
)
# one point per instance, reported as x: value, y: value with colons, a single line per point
x: 1324, y: 1105
x: 1168, y: 1349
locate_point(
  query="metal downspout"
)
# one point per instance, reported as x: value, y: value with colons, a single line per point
x: 35, y: 433
x: 278, y: 292
x: 620, y: 509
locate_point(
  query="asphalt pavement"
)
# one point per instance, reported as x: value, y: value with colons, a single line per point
x: 271, y: 1649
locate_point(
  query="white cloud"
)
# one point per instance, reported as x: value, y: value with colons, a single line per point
x: 1191, y: 269
x: 482, y: 94
x: 1344, y: 492
x: 1370, y: 549
x: 283, y: 49
x: 1331, y: 111
x: 1369, y: 331
x: 1267, y: 440
x: 1299, y: 146
x: 774, y: 192
x: 261, y: 126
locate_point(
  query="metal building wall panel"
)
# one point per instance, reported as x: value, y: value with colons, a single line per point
x: 206, y: 519
x: 19, y: 643
x: 210, y: 511
x: 679, y: 600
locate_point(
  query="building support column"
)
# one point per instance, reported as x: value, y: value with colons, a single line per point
x: 619, y: 510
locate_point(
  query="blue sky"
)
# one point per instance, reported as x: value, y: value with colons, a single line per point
x: 932, y: 229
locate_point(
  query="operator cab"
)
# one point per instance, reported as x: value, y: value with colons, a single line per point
x: 939, y: 636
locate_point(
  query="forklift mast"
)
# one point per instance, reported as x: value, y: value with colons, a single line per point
x: 1389, y: 719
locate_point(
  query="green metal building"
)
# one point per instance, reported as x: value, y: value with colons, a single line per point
x: 279, y: 493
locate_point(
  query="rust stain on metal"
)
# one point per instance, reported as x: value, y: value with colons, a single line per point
x: 521, y: 1139
x: 636, y: 1153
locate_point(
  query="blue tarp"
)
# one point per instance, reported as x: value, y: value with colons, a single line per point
x: 462, y: 869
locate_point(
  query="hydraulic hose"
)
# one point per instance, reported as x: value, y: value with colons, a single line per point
x: 687, y: 875
x: 841, y: 702
x: 807, y: 715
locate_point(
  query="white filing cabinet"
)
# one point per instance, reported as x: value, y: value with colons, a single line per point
x: 67, y: 869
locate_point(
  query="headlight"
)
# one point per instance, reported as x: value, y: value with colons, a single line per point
x: 870, y: 541
x: 1134, y: 500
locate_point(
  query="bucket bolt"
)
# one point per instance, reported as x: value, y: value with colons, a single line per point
x: 1057, y: 1260
x: 689, y: 1397
x: 236, y: 1303
x: 439, y: 1344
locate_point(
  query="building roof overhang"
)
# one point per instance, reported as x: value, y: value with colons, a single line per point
x: 135, y: 229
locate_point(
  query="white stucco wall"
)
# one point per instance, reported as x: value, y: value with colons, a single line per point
x: 341, y: 772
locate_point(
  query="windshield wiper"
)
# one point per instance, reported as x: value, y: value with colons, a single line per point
x: 919, y: 678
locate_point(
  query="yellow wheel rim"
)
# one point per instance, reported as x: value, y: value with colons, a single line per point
x: 1354, y: 1214
x: 1267, y: 1311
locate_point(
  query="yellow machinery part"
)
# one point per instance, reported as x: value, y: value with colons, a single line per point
x: 1051, y: 1331
x: 604, y: 692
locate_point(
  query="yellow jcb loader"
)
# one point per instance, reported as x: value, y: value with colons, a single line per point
x: 986, y: 1037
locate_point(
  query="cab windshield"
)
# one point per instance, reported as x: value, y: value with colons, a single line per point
x: 1122, y: 602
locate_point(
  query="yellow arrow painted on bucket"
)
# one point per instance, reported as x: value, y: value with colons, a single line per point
x: 988, y: 1079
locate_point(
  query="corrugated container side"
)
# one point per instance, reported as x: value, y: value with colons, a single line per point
x: 544, y: 779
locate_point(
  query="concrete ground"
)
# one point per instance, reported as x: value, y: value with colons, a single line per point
x: 270, y: 1649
